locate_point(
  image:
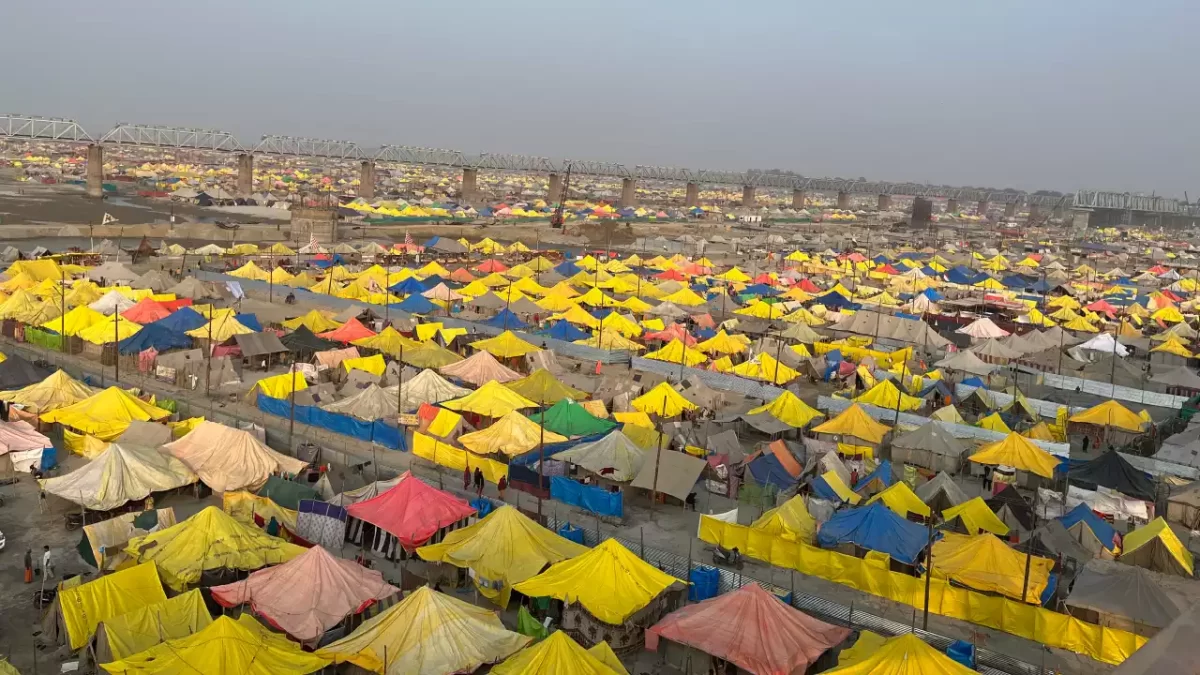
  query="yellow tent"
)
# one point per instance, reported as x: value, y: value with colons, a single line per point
x: 886, y: 395
x: 1155, y: 546
x: 1172, y: 345
x: 145, y: 627
x: 84, y: 606
x: 578, y: 315
x: 676, y: 352
x: 994, y: 422
x: 855, y: 422
x: 209, y: 540
x: 227, y: 645
x: 220, y: 329
x: 685, y: 296
x: 790, y: 520
x: 373, y: 364
x: 1168, y: 314
x: 721, y: 343
x: 388, y: 341
x: 1109, y: 414
x: 734, y: 274
x: 502, y: 549
x: 1041, y: 432
x: 556, y: 655
x: 1081, y: 325
x: 280, y: 386
x: 491, y: 400
x: 314, y: 321
x: 105, y: 415
x: 543, y: 387
x: 250, y: 271
x: 20, y: 302
x: 427, y: 632
x: 57, y: 391
x: 904, y: 655
x: 762, y: 310
x: 505, y: 345
x: 430, y: 355
x: 612, y: 341
x: 986, y: 563
x: 280, y: 248
x: 764, y: 367
x: 75, y: 321
x: 101, y: 333
x: 513, y: 434
x: 663, y: 401
x: 976, y: 517
x: 1018, y: 452
x: 948, y: 414
x: 789, y: 409
x: 901, y: 499
x: 609, y: 582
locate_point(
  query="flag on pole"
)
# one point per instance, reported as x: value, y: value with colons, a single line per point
x: 107, y: 219
x: 312, y: 241
x: 408, y: 240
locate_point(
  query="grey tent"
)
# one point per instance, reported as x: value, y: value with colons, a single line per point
x: 677, y: 472
x: 941, y: 492
x: 1054, y: 540
x: 368, y: 405
x: 1180, y: 376
x: 931, y: 446
x: 1175, y: 649
x: 1121, y: 596
x: 259, y: 346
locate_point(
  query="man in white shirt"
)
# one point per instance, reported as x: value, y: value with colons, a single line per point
x: 47, y: 563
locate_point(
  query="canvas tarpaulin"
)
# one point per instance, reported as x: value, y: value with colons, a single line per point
x: 378, y: 431
x: 107, y: 414
x: 985, y: 563
x: 1155, y: 546
x: 614, y: 456
x: 570, y: 418
x: 1018, y: 452
x: 428, y: 633
x: 670, y: 472
x: 412, y: 511
x: 767, y: 636
x: 976, y: 517
x: 1110, y: 470
x: 592, y: 498
x: 1125, y: 596
x: 426, y: 387
x: 86, y: 605
x: 543, y: 387
x: 230, y: 459
x: 332, y: 589
x: 904, y: 655
x: 491, y: 400
x: 875, y: 528
x: 441, y: 453
x: 512, y: 434
x: 502, y: 549
x: 479, y: 369
x: 136, y: 631
x: 556, y: 655
x: 121, y: 473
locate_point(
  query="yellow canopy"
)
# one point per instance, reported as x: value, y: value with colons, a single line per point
x: 854, y: 421
x: 502, y: 549
x: 721, y: 343
x: 543, y: 387
x: 904, y: 655
x: 684, y: 296
x: 977, y: 517
x: 663, y: 401
x: 556, y: 655
x: 84, y: 606
x: 505, y: 345
x: 1177, y: 558
x: 250, y: 271
x: 886, y: 395
x: 427, y: 632
x: 388, y: 341
x: 764, y: 367
x: 100, y: 333
x: 609, y: 582
x: 901, y: 499
x: 315, y: 321
x: 280, y: 386
x: 986, y: 563
x: 790, y: 520
x: 611, y: 340
x: 994, y: 422
x: 1109, y: 414
x: 54, y: 392
x: 513, y: 434
x: 789, y: 409
x: 1172, y: 345
x: 676, y: 352
x: 220, y: 329
x: 372, y: 364
x: 491, y: 400
x: 75, y: 321
x: 227, y: 645
x: 209, y: 540
x: 143, y: 628
x: 1018, y: 452
x: 105, y: 415
x: 762, y: 310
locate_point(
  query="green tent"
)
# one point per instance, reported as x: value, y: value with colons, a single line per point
x: 570, y: 419
x: 287, y: 493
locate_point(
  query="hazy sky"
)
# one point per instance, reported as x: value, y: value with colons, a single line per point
x: 1034, y: 95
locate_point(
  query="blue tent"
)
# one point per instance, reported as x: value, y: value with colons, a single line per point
x: 961, y: 275
x: 973, y: 382
x: 154, y: 335
x: 704, y: 333
x: 415, y: 304
x: 602, y: 312
x: 506, y: 320
x: 937, y: 388
x: 564, y: 330
x: 1100, y: 527
x: 181, y: 320
x: 1040, y: 286
x: 833, y: 300
x: 767, y: 470
x: 880, y: 259
x: 882, y: 473
x: 1015, y: 281
x: 932, y: 294
x: 433, y: 280
x: 759, y: 289
x: 408, y: 287
x: 699, y: 288
x: 877, y: 528
x: 249, y: 321
x: 568, y: 268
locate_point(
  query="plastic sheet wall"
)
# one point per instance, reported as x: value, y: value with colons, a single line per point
x: 444, y: 454
x: 377, y: 432
x: 1031, y: 622
x: 590, y: 497
x: 45, y: 339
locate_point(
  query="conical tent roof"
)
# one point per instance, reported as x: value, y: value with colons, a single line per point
x: 767, y: 636
x: 984, y: 562
x: 333, y: 589
x: 663, y: 401
x: 112, y: 329
x: 304, y: 340
x: 1110, y: 414
x: 555, y: 655
x: 426, y: 387
x: 412, y: 511
x: 209, y: 540
x: 427, y: 633
x: 571, y: 419
x: 855, y: 422
x: 57, y: 391
x: 106, y: 414
x: 542, y: 386
x: 504, y: 547
x: 887, y: 395
x: 389, y: 341
x: 17, y: 372
x: 615, y: 451
x: 368, y: 405
x: 491, y: 400
x: 431, y: 355
x: 1112, y: 471
x: 609, y: 581
x: 118, y: 475
x: 230, y: 459
x: 904, y: 655
x: 932, y: 437
x: 314, y: 320
x: 112, y: 301
x: 348, y: 332
x: 790, y: 520
x: 74, y: 321
x: 480, y: 368
x: 505, y: 345
x: 513, y: 434
x: 145, y: 311
x: 1018, y: 452
x: 789, y: 409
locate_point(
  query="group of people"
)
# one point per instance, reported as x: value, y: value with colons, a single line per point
x: 47, y: 564
x: 476, y: 480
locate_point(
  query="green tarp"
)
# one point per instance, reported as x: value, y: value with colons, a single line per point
x: 568, y: 418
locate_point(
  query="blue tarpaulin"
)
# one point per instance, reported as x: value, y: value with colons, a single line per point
x: 181, y: 320
x: 1100, y: 527
x: 156, y: 336
x: 249, y: 321
x: 408, y: 287
x: 882, y: 474
x: 415, y: 304
x: 568, y: 269
x: 766, y: 469
x: 377, y: 431
x: 571, y: 533
x: 877, y: 528
x: 530, y: 458
x: 589, y: 497
x: 566, y: 331
x: 506, y: 320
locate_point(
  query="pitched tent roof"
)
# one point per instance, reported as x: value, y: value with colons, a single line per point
x: 333, y: 589
x: 57, y: 391
x: 17, y: 372
x: 304, y: 340
x: 209, y: 540
x: 615, y: 451
x: 427, y: 632
x: 1155, y: 546
x: 976, y: 516
x: 766, y: 637
x: 855, y: 422
x: 1124, y: 591
x: 557, y: 654
x: 106, y: 414
x: 348, y: 332
x: 904, y: 655
x: 876, y: 528
x: 505, y: 345
x: 505, y: 548
x: 1010, y: 507
x: 789, y: 409
x: 513, y: 434
x: 677, y: 472
x: 1018, y: 452
x: 569, y: 418
x: 241, y: 645
x: 1113, y: 471
x: 120, y: 474
x: 370, y: 404
x: 986, y: 563
x: 480, y: 368
x: 933, y: 438
x: 663, y: 401
x: 230, y: 459
x: 426, y: 387
x: 412, y: 511
x: 543, y: 387
x: 1110, y: 414
x: 941, y: 484
x: 901, y: 499
x: 608, y: 581
x: 790, y: 520
x: 491, y: 400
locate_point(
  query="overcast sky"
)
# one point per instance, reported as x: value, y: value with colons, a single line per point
x: 1059, y: 95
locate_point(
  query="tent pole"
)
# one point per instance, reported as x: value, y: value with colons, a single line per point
x: 658, y: 457
x: 116, y: 339
x: 928, y: 570
x: 1028, y: 564
x: 292, y: 409
x: 542, y: 459
x: 400, y: 385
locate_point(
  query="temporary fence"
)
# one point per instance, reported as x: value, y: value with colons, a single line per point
x: 592, y: 498
x: 373, y: 432
x: 1108, y: 645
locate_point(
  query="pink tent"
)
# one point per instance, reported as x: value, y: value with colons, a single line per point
x: 766, y: 637
x: 348, y: 332
x: 145, y: 311
x: 412, y: 511
x: 674, y: 331
x: 21, y: 436
x: 307, y: 595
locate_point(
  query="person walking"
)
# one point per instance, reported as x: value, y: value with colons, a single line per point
x: 47, y: 563
x: 29, y: 566
x: 467, y: 477
x: 478, y: 482
x: 502, y: 485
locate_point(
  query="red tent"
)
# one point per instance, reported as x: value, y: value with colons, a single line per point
x: 764, y: 278
x: 462, y: 276
x: 671, y: 275
x: 412, y: 511
x: 696, y: 269
x: 808, y: 286
x: 491, y: 265
x: 1102, y: 306
x: 347, y: 332
x: 145, y: 311
x: 767, y: 637
x: 673, y: 332
x: 887, y: 268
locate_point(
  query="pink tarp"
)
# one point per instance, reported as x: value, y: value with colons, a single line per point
x: 750, y: 628
x: 412, y: 511
x: 479, y: 369
x: 307, y: 595
x: 21, y: 436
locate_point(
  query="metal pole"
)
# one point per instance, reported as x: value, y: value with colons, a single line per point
x: 658, y: 458
x: 292, y: 410
x: 400, y: 385
x: 116, y: 339
x: 271, y: 278
x: 208, y: 354
x: 62, y: 332
x: 928, y: 571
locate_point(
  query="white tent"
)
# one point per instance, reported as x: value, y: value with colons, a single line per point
x: 615, y: 451
x: 983, y: 328
x: 1105, y: 342
x: 118, y: 475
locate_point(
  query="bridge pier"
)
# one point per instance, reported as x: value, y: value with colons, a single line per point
x: 470, y: 185
x: 692, y: 195
x: 843, y: 201
x: 95, y: 171
x: 982, y: 208
x: 884, y: 203
x: 245, y: 175
x: 1060, y: 212
x: 628, y: 192
x: 748, y: 196
x: 554, y: 192
x: 1010, y: 210
x: 952, y: 206
x: 366, y: 180
x: 1034, y: 213
x: 1080, y: 218
x: 798, y: 199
